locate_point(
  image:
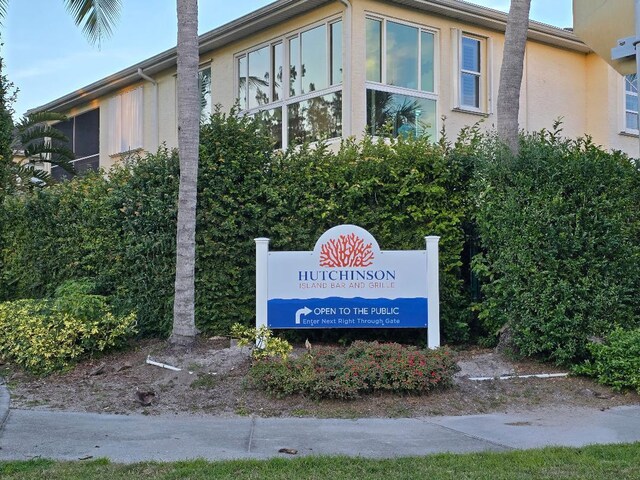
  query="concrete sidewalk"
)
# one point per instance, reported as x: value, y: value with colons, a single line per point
x: 72, y: 436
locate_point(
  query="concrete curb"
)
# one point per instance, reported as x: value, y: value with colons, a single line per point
x: 5, y: 402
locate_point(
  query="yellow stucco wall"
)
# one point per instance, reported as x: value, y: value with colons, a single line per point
x: 559, y: 83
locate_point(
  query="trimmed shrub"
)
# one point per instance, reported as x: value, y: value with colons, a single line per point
x: 143, y: 193
x: 364, y: 367
x: 615, y: 362
x: 43, y: 336
x: 559, y: 225
x: 120, y: 231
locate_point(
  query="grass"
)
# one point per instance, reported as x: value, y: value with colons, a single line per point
x: 617, y: 462
x: 204, y: 381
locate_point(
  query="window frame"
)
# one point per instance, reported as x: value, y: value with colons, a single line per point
x: 383, y: 58
x: 626, y: 129
x: 418, y: 93
x: 485, y: 80
x: 287, y: 99
x: 121, y: 126
x: 49, y: 168
x: 475, y: 73
x: 201, y: 68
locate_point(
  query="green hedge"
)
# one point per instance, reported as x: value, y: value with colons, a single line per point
x: 120, y: 231
x: 615, y: 362
x: 559, y: 226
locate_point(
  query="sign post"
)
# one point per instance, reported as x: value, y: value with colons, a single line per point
x: 348, y: 282
x: 262, y: 272
x: 433, y: 290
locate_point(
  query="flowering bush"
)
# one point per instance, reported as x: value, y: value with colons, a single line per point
x: 364, y: 367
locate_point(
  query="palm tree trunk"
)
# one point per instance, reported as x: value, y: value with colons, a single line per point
x: 515, y: 40
x: 184, y: 329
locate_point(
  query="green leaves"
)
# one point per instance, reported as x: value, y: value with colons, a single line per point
x: 559, y: 226
x: 364, y: 367
x: 97, y: 16
x: 616, y: 361
x: 43, y: 336
x: 120, y: 231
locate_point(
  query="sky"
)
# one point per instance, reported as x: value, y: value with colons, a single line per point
x: 46, y: 55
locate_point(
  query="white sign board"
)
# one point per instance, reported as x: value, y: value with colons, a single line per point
x: 347, y: 281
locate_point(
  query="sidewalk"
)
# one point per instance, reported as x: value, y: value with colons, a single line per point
x: 71, y: 436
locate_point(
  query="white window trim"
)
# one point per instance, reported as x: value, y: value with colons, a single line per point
x: 203, y: 66
x: 284, y: 40
x: 486, y: 81
x: 383, y: 86
x: 383, y: 54
x: 287, y: 99
x: 626, y: 130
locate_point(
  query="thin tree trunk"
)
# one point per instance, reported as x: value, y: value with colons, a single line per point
x: 515, y: 40
x: 184, y: 329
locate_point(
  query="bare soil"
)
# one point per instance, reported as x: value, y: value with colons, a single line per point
x: 213, y: 380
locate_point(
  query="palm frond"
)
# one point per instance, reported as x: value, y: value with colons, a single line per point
x: 38, y: 141
x: 31, y: 178
x: 40, y: 117
x: 38, y: 133
x: 3, y: 8
x: 96, y: 16
x: 44, y: 152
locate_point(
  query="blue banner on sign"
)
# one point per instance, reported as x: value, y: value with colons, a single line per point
x: 336, y: 312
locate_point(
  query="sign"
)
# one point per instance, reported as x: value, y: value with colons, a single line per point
x: 605, y: 25
x: 347, y: 281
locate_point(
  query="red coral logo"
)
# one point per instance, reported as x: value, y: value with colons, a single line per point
x: 346, y: 251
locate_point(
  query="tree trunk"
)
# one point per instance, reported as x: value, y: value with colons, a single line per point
x: 184, y: 328
x: 515, y: 40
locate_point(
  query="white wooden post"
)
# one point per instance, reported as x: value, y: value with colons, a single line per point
x: 262, y: 269
x: 433, y: 292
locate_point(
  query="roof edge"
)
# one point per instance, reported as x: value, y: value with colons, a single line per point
x: 269, y: 15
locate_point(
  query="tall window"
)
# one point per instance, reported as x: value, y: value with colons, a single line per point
x: 631, y: 102
x: 83, y: 132
x: 470, y: 72
x: 124, y: 122
x: 293, y: 84
x: 401, y: 92
x: 204, y: 86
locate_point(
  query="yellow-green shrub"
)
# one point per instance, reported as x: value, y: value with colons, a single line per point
x: 43, y: 336
x: 271, y: 346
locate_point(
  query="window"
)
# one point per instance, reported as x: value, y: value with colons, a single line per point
x: 204, y: 85
x: 470, y: 72
x: 293, y: 84
x: 83, y: 132
x: 631, y: 103
x: 124, y: 122
x: 401, y: 90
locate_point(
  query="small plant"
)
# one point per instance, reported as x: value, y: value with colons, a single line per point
x: 205, y: 381
x: 268, y: 345
x: 364, y: 367
x: 615, y: 362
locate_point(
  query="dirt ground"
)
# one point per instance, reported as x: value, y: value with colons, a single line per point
x: 213, y: 381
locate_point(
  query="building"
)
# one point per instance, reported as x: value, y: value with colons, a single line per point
x: 318, y: 69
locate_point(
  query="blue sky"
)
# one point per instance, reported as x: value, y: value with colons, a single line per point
x: 46, y: 55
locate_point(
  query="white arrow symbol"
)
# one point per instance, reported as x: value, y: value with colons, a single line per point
x: 299, y: 313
